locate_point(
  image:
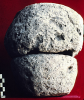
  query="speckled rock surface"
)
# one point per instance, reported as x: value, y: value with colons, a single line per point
x: 45, y: 27
x: 45, y: 74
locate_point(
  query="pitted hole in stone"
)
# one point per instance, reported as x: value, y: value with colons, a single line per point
x: 40, y: 38
x: 78, y: 30
x: 71, y: 40
x: 70, y: 67
x: 60, y: 25
x: 61, y: 37
x: 46, y: 69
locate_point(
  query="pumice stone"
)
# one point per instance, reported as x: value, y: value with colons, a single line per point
x: 42, y: 41
x: 45, y: 74
x: 45, y: 27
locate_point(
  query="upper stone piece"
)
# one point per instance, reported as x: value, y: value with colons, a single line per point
x: 45, y: 27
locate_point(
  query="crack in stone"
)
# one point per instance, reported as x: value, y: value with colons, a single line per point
x: 66, y: 52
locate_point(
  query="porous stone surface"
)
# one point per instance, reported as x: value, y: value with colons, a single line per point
x: 45, y: 27
x: 45, y: 74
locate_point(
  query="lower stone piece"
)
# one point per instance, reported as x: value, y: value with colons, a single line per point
x: 45, y: 74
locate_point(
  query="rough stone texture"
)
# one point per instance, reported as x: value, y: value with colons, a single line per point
x: 45, y: 74
x: 45, y: 27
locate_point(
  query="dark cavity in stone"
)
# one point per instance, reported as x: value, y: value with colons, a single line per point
x: 61, y: 37
x: 78, y: 30
x: 70, y: 67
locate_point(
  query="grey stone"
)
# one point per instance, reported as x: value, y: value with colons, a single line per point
x: 45, y: 74
x: 45, y: 27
